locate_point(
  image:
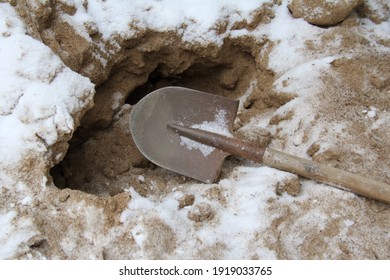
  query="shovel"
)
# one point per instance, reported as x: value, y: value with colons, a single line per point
x: 191, y: 132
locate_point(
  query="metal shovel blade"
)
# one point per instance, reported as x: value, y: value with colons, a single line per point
x: 149, y: 121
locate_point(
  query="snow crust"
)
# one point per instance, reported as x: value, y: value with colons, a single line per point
x: 14, y: 233
x: 39, y: 94
x: 196, y: 16
x: 39, y: 98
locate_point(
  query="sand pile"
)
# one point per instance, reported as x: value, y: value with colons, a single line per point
x: 73, y: 184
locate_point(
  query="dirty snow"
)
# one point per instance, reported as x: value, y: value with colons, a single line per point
x: 38, y: 92
x: 36, y: 101
x: 244, y: 213
x: 38, y: 95
x: 290, y: 35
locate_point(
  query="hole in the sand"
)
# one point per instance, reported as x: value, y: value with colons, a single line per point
x: 156, y: 80
x: 103, y: 160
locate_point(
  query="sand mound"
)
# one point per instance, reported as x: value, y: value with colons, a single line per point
x: 73, y: 184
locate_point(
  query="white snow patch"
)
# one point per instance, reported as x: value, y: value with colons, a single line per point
x: 290, y: 35
x: 375, y: 33
x: 14, y: 233
x: 349, y: 223
x: 194, y: 20
x: 304, y: 79
x: 27, y: 200
x: 372, y: 112
x: 138, y: 203
x: 219, y: 126
x: 139, y: 235
x: 39, y: 92
x: 141, y: 178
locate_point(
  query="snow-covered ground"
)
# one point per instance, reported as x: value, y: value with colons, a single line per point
x: 242, y: 216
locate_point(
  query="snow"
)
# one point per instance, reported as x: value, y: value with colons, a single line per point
x: 290, y: 35
x: 13, y: 236
x: 141, y: 178
x: 114, y: 16
x: 219, y: 126
x: 292, y: 82
x: 371, y: 114
x: 35, y: 85
x: 377, y: 6
x: 248, y: 190
x: 40, y: 96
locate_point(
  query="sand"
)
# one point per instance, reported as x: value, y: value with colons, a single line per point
x: 88, y: 193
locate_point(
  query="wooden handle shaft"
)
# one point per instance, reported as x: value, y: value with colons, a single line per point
x: 326, y: 174
x: 280, y: 160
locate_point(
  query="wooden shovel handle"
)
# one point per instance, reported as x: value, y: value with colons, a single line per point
x: 326, y: 174
x: 290, y: 163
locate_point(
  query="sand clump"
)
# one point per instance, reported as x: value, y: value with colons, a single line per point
x: 290, y: 185
x: 323, y: 13
x: 201, y: 212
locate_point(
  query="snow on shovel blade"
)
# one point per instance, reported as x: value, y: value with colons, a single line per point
x: 149, y: 121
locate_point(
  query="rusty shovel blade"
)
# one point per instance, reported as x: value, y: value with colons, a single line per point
x: 149, y: 124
